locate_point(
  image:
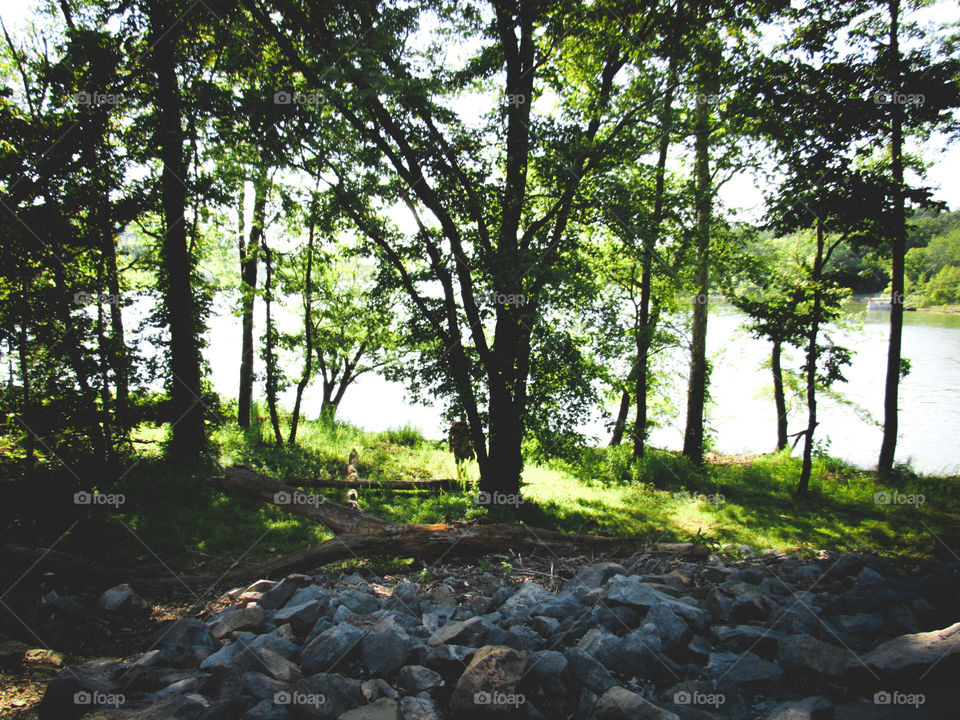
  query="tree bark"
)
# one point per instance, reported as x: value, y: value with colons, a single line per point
x: 270, y: 349
x: 188, y: 430
x: 307, y: 330
x: 888, y: 446
x: 621, y: 423
x: 697, y: 385
x: 811, y: 368
x: 249, y: 261
x: 778, y: 396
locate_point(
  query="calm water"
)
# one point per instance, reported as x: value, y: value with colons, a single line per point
x: 741, y: 411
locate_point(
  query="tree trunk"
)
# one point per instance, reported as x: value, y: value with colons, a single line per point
x: 188, y: 439
x: 778, y: 397
x: 697, y: 385
x: 811, y: 368
x: 120, y: 357
x: 898, y: 248
x: 270, y: 349
x: 621, y: 422
x: 648, y: 321
x: 307, y: 331
x: 249, y: 260
x: 26, y: 407
x: 501, y: 471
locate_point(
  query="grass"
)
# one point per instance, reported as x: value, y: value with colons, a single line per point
x: 181, y: 519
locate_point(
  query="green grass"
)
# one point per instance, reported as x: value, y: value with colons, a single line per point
x: 184, y: 521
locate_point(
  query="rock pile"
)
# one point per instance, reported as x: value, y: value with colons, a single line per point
x: 775, y: 638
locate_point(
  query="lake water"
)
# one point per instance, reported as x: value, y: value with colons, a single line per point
x: 741, y: 412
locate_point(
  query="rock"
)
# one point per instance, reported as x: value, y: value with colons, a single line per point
x: 628, y: 590
x: 385, y: 648
x: 122, y: 598
x: 234, y: 707
x: 330, y: 648
x: 261, y: 686
x: 59, y: 699
x: 491, y: 679
x: 528, y: 599
x: 807, y: 655
x: 382, y: 709
x: 66, y: 605
x: 811, y: 708
x: 323, y: 696
x: 248, y: 618
x: 747, y: 671
x: 174, y: 707
x: 695, y: 699
x: 184, y: 642
x: 807, y: 574
x: 594, y: 576
x: 719, y: 606
x: 417, y: 678
x: 869, y: 710
x: 909, y: 656
x: 672, y: 630
x: 358, y: 602
x: 466, y: 632
x: 603, y: 646
x: 749, y: 605
x: 448, y: 660
x: 404, y: 597
x: 587, y: 671
x: 861, y: 624
x: 279, y: 594
x: 763, y: 641
x: 420, y: 708
x: 301, y: 617
x: 266, y: 710
x: 748, y: 576
x: 378, y: 688
x: 620, y: 704
x: 283, y: 648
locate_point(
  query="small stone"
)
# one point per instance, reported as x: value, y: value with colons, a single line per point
x: 417, y: 678
x: 382, y: 709
x: 811, y: 708
x: 620, y: 704
x: 122, y: 598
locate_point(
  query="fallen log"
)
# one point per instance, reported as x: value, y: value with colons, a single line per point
x: 373, y: 483
x: 359, y: 534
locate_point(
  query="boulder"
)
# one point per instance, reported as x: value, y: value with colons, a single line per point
x: 620, y: 704
x: 490, y: 682
x: 910, y: 656
x: 338, y: 644
x: 323, y: 696
x: 807, y: 655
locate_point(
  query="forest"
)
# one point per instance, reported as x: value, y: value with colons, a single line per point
x: 513, y: 210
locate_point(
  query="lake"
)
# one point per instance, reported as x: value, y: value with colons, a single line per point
x: 741, y: 413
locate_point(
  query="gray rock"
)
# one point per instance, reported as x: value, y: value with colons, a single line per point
x: 229, y: 709
x: 417, y: 678
x: 420, y: 708
x: 301, y: 617
x: 308, y: 593
x: 628, y: 590
x: 378, y: 688
x: 466, y: 632
x: 807, y: 655
x: 262, y: 687
x: 807, y: 574
x: 122, y: 598
x: 909, y: 656
x: 332, y: 647
x: 448, y: 660
x: 763, y: 641
x: 672, y: 630
x: 527, y: 600
x: 279, y: 594
x: 270, y: 641
x: 811, y: 708
x: 266, y: 710
x: 747, y: 671
x: 620, y: 704
x: 861, y: 624
x: 587, y: 671
x: 594, y: 576
x: 405, y: 597
x: 382, y: 709
x: 248, y: 618
x: 719, y: 606
x: 358, y: 602
x: 324, y: 696
x: 385, y: 648
x: 173, y: 707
